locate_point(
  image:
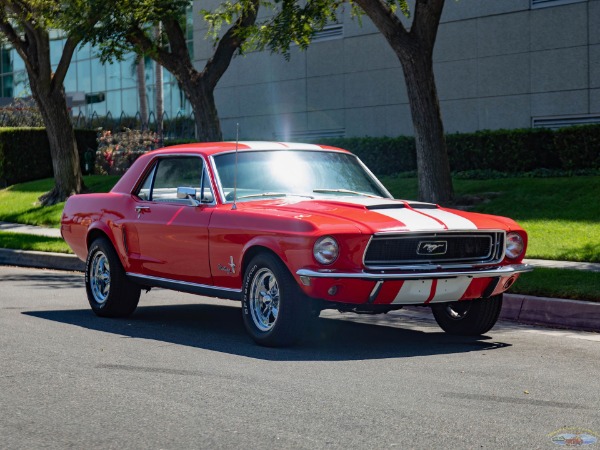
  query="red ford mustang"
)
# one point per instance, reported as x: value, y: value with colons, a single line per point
x: 290, y: 230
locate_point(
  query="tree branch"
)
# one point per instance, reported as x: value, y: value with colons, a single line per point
x: 426, y: 22
x: 386, y: 21
x: 228, y: 45
x: 65, y: 61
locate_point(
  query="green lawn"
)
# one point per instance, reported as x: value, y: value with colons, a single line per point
x: 31, y: 242
x: 561, y: 215
x: 559, y: 283
x: 18, y: 203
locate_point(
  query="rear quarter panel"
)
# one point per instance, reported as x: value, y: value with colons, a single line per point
x: 95, y: 214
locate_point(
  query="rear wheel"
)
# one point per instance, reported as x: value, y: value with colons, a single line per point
x: 274, y: 310
x: 469, y: 317
x: 109, y: 292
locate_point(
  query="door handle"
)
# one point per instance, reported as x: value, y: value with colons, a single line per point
x: 141, y: 209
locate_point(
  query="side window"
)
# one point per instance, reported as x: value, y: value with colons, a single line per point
x: 171, y: 173
x: 144, y: 191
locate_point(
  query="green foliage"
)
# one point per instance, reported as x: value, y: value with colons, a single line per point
x: 118, y: 151
x: 384, y: 155
x: 25, y: 153
x: 117, y: 20
x: 490, y: 154
x: 288, y: 22
x: 18, y: 203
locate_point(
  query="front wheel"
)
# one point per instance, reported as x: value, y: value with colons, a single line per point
x: 468, y: 317
x: 109, y: 292
x: 274, y: 310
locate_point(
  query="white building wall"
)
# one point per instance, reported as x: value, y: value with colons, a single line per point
x: 498, y: 64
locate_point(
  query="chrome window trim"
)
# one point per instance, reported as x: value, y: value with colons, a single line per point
x: 324, y: 150
x: 154, y: 163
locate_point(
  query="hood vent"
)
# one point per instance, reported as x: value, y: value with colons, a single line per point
x: 402, y: 205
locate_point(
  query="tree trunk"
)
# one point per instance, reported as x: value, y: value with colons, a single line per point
x: 433, y: 167
x: 208, y: 126
x: 414, y: 49
x: 159, y: 89
x: 63, y: 146
x: 140, y: 68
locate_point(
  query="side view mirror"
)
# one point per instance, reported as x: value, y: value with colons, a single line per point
x: 188, y: 193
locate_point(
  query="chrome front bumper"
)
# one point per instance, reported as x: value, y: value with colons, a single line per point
x: 486, y: 272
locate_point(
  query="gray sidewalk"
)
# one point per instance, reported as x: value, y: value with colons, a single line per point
x: 550, y: 312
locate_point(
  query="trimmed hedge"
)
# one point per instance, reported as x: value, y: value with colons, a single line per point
x: 520, y: 150
x: 25, y: 153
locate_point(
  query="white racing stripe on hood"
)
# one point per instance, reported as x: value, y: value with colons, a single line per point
x: 415, y: 219
x: 452, y: 221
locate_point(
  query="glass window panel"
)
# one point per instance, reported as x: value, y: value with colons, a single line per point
x: 6, y: 60
x: 56, y: 50
x: 84, y: 78
x: 99, y: 76
x: 130, y: 102
x: 167, y: 100
x: 113, y: 75
x: 7, y: 86
x: 150, y: 68
x: 113, y: 103
x: 128, y: 78
x: 71, y: 79
x: 21, y: 85
x: 83, y: 52
x: 18, y: 63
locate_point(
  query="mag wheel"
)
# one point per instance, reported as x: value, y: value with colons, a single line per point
x: 470, y: 317
x: 109, y: 292
x: 274, y: 310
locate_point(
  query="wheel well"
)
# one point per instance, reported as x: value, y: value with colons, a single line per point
x: 252, y: 252
x: 95, y: 234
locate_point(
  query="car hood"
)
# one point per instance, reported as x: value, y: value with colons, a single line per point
x: 373, y: 215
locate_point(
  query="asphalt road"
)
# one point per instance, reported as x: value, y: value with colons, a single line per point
x: 181, y: 373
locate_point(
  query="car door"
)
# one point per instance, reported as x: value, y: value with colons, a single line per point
x: 169, y: 235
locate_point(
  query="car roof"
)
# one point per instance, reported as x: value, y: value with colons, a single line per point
x: 212, y: 148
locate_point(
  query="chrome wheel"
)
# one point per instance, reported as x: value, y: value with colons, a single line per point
x: 100, y: 277
x: 264, y: 299
x: 458, y: 310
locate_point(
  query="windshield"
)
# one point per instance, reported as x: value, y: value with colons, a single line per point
x: 314, y: 174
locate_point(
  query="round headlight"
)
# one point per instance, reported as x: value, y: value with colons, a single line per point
x: 326, y: 250
x: 514, y: 245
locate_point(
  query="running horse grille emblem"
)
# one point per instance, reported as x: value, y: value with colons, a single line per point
x: 432, y: 248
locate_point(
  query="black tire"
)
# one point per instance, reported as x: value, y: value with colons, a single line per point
x: 469, y: 317
x: 109, y: 292
x: 274, y: 310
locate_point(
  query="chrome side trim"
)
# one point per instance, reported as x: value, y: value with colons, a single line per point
x: 186, y: 286
x: 502, y: 271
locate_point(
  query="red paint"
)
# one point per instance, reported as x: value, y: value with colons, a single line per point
x: 195, y: 244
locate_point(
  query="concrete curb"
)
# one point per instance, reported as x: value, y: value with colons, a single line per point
x: 552, y: 312
x: 42, y: 260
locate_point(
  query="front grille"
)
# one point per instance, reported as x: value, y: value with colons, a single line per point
x: 435, y: 248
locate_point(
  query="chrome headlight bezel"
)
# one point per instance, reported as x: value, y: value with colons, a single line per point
x: 326, y: 250
x: 515, y: 245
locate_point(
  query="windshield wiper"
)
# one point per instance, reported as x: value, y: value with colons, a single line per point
x: 273, y: 194
x: 345, y: 191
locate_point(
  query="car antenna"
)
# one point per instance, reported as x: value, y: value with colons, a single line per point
x: 237, y: 139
